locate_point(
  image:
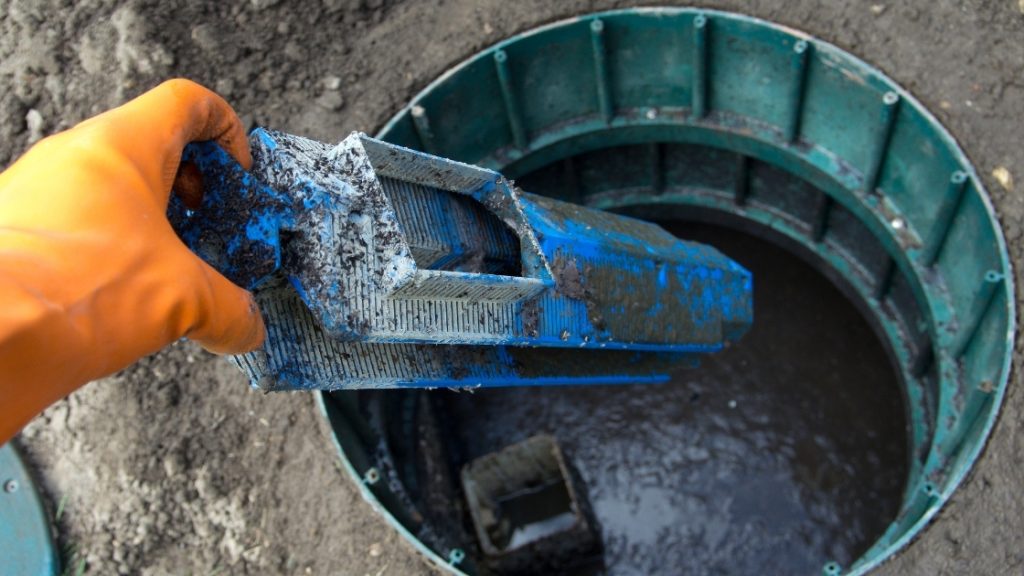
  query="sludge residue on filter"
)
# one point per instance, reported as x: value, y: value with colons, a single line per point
x: 775, y: 456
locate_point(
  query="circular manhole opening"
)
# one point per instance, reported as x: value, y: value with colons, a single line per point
x: 880, y: 351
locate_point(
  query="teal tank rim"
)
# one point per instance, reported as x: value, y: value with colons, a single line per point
x: 953, y: 430
x: 26, y: 534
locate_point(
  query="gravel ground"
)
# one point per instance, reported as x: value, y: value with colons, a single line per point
x: 174, y: 466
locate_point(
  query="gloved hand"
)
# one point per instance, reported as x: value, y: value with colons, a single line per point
x: 92, y: 276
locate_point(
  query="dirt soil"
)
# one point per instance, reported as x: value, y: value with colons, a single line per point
x: 175, y: 467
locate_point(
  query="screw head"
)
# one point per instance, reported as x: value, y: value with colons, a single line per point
x: 11, y: 486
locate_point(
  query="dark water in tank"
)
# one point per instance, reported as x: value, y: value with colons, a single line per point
x: 775, y: 456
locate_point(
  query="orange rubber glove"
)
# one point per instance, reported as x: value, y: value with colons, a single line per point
x: 92, y: 276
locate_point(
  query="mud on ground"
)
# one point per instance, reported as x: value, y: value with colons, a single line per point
x: 174, y: 466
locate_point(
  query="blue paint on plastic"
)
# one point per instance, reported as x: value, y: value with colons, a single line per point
x: 391, y: 251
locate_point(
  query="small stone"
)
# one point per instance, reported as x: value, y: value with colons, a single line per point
x: 335, y: 5
x: 225, y: 87
x: 1001, y: 174
x: 877, y: 9
x: 205, y: 36
x: 172, y: 466
x: 261, y: 4
x: 283, y: 28
x: 34, y: 123
x: 332, y: 82
x: 294, y: 51
x: 698, y: 454
x: 376, y: 550
x: 331, y: 100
